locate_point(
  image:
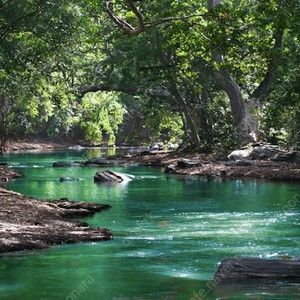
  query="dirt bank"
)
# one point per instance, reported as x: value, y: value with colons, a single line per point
x: 35, y: 145
x: 28, y: 223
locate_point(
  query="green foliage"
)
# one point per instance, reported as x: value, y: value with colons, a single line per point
x: 101, y: 113
x: 50, y: 51
x: 221, y: 136
x: 164, y: 125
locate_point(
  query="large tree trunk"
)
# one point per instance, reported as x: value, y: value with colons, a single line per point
x: 245, y: 122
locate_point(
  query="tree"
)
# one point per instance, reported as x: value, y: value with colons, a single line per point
x: 47, y: 48
x: 214, y: 36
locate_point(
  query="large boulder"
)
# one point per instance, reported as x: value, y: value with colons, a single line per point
x: 258, y: 152
x: 112, y: 177
x: 239, y: 154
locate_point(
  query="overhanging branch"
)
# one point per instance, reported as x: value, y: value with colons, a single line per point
x: 131, y: 30
x: 106, y: 88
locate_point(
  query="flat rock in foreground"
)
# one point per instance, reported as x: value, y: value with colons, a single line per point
x: 236, y: 269
x: 28, y: 223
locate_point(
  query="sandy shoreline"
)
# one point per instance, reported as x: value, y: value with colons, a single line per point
x: 35, y: 145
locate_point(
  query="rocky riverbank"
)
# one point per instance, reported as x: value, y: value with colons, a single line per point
x: 218, y: 167
x: 29, y: 223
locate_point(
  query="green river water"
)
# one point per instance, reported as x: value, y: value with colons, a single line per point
x: 170, y: 235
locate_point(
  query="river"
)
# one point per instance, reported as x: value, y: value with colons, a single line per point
x: 170, y: 235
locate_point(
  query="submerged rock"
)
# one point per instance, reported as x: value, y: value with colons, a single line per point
x: 112, y: 177
x: 63, y: 164
x: 62, y: 179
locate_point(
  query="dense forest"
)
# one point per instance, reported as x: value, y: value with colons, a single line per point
x: 207, y: 74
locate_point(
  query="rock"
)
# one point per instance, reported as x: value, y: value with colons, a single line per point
x: 236, y: 269
x: 62, y: 179
x: 239, y: 163
x: 292, y: 157
x: 239, y: 154
x: 170, y: 169
x: 259, y: 152
x: 7, y: 174
x: 172, y: 146
x: 76, y: 147
x: 264, y: 152
x: 113, y: 177
x: 188, y: 163
x: 62, y: 164
x: 156, y: 146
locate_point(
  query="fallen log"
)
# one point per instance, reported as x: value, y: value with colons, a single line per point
x: 235, y: 269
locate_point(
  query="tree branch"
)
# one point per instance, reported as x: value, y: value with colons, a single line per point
x: 106, y: 88
x: 171, y: 19
x: 137, y: 14
x: 129, y: 29
x: 126, y: 27
x: 264, y: 86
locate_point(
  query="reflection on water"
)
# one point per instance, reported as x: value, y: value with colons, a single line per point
x: 170, y: 235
